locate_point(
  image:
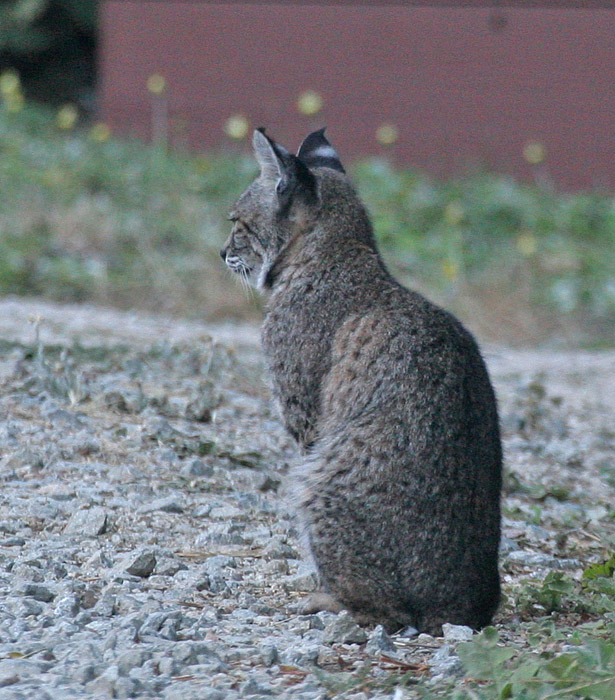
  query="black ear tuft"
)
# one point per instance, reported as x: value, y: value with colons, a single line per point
x: 317, y: 152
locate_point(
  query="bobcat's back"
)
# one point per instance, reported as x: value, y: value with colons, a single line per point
x: 387, y: 395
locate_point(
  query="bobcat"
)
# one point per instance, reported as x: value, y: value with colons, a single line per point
x: 387, y: 396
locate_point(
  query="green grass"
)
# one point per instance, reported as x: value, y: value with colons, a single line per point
x: 119, y: 222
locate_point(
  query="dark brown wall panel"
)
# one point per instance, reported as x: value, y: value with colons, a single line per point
x: 459, y: 91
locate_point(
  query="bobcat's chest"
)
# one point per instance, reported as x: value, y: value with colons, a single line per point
x: 297, y: 347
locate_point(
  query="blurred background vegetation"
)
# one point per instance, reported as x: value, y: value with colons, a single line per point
x: 85, y: 216
x: 51, y: 44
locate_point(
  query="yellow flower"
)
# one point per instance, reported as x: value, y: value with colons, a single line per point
x: 156, y: 84
x: 453, y: 213
x: 450, y: 270
x: 534, y: 152
x: 236, y: 127
x: 526, y: 244
x: 387, y: 134
x: 100, y: 132
x: 66, y: 117
x: 309, y: 102
x: 10, y: 83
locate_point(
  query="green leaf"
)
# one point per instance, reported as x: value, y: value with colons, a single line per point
x: 482, y: 658
x: 556, y: 582
x: 605, y: 568
x: 603, y: 585
x: 561, y: 666
x: 601, y: 654
x: 603, y: 690
x: 490, y: 635
x: 507, y: 692
x: 526, y: 671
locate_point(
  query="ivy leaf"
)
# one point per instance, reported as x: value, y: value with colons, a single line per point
x: 602, y: 690
x: 600, y: 655
x: 561, y: 666
x: 482, y: 658
x: 606, y: 569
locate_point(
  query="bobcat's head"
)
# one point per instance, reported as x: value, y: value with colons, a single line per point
x: 284, y: 201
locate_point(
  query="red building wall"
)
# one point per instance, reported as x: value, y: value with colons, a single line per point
x: 463, y: 85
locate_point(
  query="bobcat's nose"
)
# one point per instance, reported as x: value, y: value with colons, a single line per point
x: 223, y: 254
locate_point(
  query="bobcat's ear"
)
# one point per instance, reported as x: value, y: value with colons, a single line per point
x: 292, y: 177
x: 317, y: 152
x: 271, y: 157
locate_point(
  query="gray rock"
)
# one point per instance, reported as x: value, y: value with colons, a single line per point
x: 133, y: 658
x: 218, y: 564
x: 87, y: 523
x: 26, y: 572
x: 343, y: 629
x: 300, y: 653
x: 8, y: 679
x: 444, y: 664
x: 23, y: 607
x: 252, y: 687
x: 20, y: 668
x: 126, y: 688
x: 197, y: 467
x: 162, y: 624
x: 202, y: 654
x: 139, y: 563
x: 104, y: 685
x: 304, y: 623
x: 84, y: 673
x: 269, y: 654
x: 278, y: 549
x: 37, y: 591
x: 379, y: 641
x: 221, y: 533
x: 61, y: 418
x: 426, y: 639
x: 167, y: 666
x: 181, y: 691
x: 538, y: 559
x: 226, y: 512
x: 456, y: 633
x: 106, y: 605
x: 507, y: 545
x: 168, y: 566
x: 98, y: 560
x: 68, y: 606
x: 304, y: 579
x: 168, y: 504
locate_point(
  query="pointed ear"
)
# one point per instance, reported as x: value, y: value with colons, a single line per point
x: 293, y: 179
x: 317, y: 152
x: 271, y: 157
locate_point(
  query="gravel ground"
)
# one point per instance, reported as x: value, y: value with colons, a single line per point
x: 147, y: 548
